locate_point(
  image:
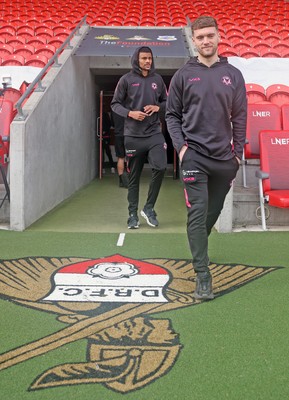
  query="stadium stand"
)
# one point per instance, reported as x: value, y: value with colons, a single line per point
x: 274, y: 170
x: 238, y: 22
x: 34, y: 31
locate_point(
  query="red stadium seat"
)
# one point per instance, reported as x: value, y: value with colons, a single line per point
x: 12, y: 95
x: 285, y: 116
x: 24, y: 50
x: 7, y: 33
x: 36, y: 60
x: 5, y: 50
x: 274, y: 170
x: 260, y: 116
x: 278, y: 94
x: 25, y: 31
x: 249, y: 52
x: 4, y: 157
x: 44, y: 32
x: 47, y: 50
x: 16, y: 40
x: 56, y: 41
x: 14, y: 59
x: 36, y: 41
x: 280, y: 45
x: 255, y: 93
x: 227, y: 51
x: 270, y: 52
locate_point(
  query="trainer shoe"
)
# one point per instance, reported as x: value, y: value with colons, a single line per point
x: 150, y: 216
x: 133, y: 222
x: 204, y: 290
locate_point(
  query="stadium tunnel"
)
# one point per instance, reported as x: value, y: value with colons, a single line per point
x: 54, y: 149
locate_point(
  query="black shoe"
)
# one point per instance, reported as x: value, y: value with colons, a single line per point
x: 150, y: 216
x: 123, y: 180
x: 133, y: 222
x: 204, y: 290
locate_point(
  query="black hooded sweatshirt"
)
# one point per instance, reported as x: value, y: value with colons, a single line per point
x: 207, y: 109
x: 135, y: 91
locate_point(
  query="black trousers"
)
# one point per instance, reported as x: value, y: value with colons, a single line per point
x: 206, y: 184
x: 138, y: 151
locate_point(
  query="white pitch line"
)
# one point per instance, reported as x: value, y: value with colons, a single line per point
x: 120, y: 239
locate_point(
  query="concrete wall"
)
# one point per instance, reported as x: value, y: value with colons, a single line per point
x: 52, y: 152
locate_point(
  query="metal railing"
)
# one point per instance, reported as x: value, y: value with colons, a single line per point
x: 53, y: 61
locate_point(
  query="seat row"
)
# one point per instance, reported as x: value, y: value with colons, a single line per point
x: 276, y: 93
x: 27, y: 32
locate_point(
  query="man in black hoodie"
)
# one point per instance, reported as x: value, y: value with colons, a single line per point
x: 206, y: 119
x: 139, y: 97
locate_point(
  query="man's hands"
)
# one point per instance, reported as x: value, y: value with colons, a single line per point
x: 140, y: 115
x: 149, y: 110
x: 182, y: 152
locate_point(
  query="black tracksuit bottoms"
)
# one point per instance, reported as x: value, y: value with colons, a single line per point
x: 138, y: 151
x: 206, y: 184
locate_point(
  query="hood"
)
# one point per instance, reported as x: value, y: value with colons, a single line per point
x: 135, y: 63
x: 194, y: 60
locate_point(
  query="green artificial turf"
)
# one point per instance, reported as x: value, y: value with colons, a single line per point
x: 234, y: 347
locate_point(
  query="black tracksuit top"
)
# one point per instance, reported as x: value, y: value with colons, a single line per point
x: 133, y: 93
x: 207, y: 109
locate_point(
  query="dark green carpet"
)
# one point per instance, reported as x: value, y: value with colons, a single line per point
x: 235, y: 347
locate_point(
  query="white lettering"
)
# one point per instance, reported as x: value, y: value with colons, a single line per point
x: 280, y: 141
x: 261, y: 114
x: 139, y: 294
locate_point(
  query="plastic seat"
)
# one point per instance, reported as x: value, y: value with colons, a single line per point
x: 5, y: 50
x: 36, y: 41
x: 25, y: 31
x: 24, y: 50
x: 4, y: 157
x: 252, y: 35
x: 7, y: 34
x: 36, y: 60
x: 285, y: 53
x: 260, y: 116
x: 274, y: 170
x: 62, y: 31
x: 6, y: 117
x: 12, y: 94
x: 255, y: 93
x: 238, y: 43
x: 285, y: 116
x: 14, y: 59
x: 284, y: 33
x: 249, y: 52
x: 270, y: 52
x: 44, y: 32
x: 47, y: 50
x: 271, y: 36
x: 278, y: 94
x: 15, y: 40
x: 260, y: 45
x: 280, y: 45
x: 56, y: 41
x: 227, y: 51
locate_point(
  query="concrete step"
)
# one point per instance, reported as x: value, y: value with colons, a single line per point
x: 246, y: 210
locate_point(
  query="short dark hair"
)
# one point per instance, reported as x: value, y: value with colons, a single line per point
x: 204, y: 22
x: 145, y: 49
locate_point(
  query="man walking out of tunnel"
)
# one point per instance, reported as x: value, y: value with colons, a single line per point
x: 206, y: 119
x: 140, y: 97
